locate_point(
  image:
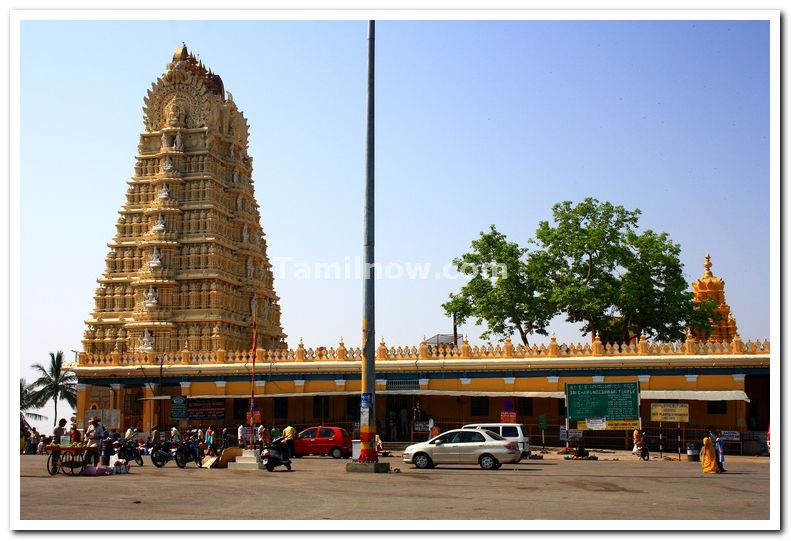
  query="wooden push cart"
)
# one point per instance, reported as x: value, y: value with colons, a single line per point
x: 70, y: 460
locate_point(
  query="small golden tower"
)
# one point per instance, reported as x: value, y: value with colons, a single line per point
x: 709, y: 286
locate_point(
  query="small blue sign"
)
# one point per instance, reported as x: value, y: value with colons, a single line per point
x: 365, y: 399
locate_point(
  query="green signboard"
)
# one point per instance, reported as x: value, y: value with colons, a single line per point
x: 603, y: 400
x: 178, y: 407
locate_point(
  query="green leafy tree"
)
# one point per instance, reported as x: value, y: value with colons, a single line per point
x: 55, y: 383
x: 618, y: 283
x: 507, y: 290
x: 584, y: 253
x: 26, y: 402
x: 654, y: 298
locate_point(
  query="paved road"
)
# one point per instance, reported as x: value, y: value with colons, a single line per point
x: 618, y: 486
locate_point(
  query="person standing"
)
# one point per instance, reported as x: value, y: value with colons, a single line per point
x: 289, y: 435
x: 59, y: 432
x: 240, y: 435
x: 175, y: 435
x: 92, y: 437
x: 259, y: 435
x: 266, y: 435
x: 32, y: 443
x: 74, y: 433
x: 274, y: 432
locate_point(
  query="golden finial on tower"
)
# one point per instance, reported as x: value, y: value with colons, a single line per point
x: 707, y: 265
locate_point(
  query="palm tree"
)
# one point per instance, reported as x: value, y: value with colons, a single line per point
x: 26, y: 402
x: 55, y: 383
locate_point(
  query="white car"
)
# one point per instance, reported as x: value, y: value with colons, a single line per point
x: 511, y: 431
x: 464, y: 446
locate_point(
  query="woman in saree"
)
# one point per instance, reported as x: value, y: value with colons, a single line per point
x: 708, y: 456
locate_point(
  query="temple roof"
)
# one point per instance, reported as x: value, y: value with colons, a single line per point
x: 182, y: 56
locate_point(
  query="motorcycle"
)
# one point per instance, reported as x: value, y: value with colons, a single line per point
x: 272, y: 455
x: 188, y: 451
x: 129, y: 451
x: 162, y: 453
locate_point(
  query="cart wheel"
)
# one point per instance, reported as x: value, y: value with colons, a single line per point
x: 69, y: 464
x: 53, y: 463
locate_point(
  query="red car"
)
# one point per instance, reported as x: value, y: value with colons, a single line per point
x: 323, y: 440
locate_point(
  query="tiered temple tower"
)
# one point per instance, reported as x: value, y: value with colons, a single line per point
x: 188, y: 265
x: 709, y: 286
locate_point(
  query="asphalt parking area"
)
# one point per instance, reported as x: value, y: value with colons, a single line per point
x: 617, y: 487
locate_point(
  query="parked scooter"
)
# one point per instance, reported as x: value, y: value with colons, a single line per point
x: 273, y: 455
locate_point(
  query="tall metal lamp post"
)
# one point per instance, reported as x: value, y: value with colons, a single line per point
x: 367, y: 397
x: 254, y: 309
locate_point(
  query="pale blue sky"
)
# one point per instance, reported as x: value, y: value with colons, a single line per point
x: 478, y: 123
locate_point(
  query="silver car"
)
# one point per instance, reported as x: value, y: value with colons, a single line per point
x: 464, y: 446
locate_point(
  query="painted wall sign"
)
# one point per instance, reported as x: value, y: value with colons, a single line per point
x: 616, y: 401
x: 669, y: 412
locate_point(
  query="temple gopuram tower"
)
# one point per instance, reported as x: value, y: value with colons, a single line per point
x: 188, y: 264
x: 709, y: 286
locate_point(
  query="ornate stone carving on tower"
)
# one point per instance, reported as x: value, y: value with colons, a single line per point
x: 709, y: 286
x: 178, y: 270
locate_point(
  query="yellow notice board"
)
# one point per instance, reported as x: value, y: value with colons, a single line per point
x: 667, y: 412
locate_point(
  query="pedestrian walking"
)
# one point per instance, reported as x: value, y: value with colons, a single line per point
x: 208, y: 440
x: 708, y: 456
x: 719, y: 446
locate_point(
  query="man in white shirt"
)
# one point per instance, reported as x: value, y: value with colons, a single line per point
x: 259, y: 434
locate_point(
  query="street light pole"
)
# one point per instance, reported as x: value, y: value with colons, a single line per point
x: 254, y: 309
x: 367, y: 398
